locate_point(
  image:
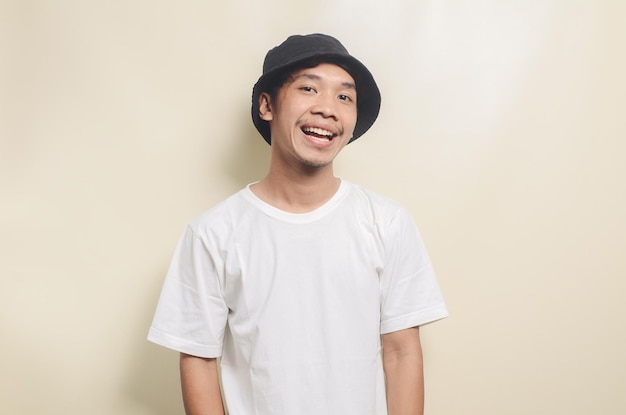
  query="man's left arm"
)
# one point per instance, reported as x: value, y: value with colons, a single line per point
x: 404, y: 372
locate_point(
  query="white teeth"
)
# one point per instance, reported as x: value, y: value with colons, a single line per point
x: 318, y: 131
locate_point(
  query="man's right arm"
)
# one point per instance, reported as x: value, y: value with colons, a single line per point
x: 200, y: 386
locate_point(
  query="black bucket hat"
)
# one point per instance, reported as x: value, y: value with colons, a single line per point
x: 322, y: 48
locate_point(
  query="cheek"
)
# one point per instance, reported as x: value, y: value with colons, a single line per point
x: 351, y: 117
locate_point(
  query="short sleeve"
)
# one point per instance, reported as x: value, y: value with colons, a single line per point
x: 410, y: 294
x: 191, y: 313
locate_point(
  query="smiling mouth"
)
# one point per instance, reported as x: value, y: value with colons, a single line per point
x: 318, y: 133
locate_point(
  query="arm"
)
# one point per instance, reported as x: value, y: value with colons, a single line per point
x: 200, y: 385
x: 402, y: 361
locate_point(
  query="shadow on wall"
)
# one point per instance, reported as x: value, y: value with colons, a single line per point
x: 153, y: 379
x: 249, y: 155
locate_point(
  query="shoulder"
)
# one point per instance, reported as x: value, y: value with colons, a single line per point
x: 380, y: 206
x: 221, y: 218
x: 390, y: 220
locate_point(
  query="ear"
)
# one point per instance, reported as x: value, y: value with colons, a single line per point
x: 265, y: 107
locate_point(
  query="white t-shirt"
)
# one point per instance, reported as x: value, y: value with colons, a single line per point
x: 295, y: 303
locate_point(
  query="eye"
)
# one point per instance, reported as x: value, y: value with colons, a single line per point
x: 343, y: 97
x: 307, y: 88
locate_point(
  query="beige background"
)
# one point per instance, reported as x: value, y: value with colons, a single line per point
x: 502, y: 130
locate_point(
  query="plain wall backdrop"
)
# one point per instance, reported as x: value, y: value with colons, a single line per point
x: 502, y: 131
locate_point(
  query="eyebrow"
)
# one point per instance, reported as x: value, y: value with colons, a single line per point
x: 314, y: 77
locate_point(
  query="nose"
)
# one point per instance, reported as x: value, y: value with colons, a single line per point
x: 325, y: 106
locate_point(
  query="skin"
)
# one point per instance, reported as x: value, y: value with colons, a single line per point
x: 300, y: 179
x: 300, y: 176
x: 200, y: 386
x: 404, y: 372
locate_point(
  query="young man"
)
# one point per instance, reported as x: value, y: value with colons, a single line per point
x: 310, y: 289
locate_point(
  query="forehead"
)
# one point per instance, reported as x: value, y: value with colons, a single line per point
x: 325, y: 72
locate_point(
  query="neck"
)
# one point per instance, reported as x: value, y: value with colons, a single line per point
x: 297, y: 191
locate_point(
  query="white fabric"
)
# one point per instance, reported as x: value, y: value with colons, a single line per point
x: 295, y: 303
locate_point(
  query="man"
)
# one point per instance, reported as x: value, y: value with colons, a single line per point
x: 310, y: 289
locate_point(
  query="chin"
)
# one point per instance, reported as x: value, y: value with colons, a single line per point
x: 314, y: 163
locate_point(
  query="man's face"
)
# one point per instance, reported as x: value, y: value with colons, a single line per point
x: 313, y: 115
